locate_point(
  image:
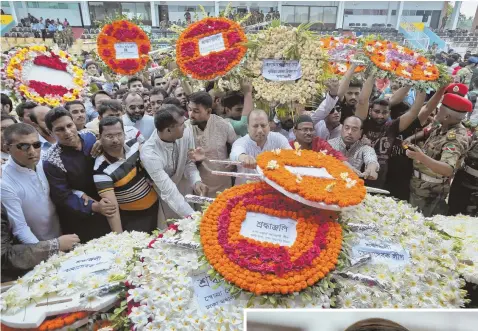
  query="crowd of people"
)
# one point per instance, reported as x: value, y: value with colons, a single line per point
x: 124, y: 157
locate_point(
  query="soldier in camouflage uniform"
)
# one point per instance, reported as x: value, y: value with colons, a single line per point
x: 442, y: 153
x: 464, y: 189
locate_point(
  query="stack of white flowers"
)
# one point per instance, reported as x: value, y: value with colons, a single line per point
x: 464, y: 230
x: 44, y: 280
x: 274, y: 43
x: 431, y: 280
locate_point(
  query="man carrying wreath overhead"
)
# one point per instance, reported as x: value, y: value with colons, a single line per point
x: 442, y: 152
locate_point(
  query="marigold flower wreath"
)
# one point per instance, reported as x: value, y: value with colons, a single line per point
x: 410, y: 66
x: 340, y: 48
x: 345, y: 190
x: 119, y: 32
x: 262, y: 267
x: 21, y: 62
x: 208, y: 64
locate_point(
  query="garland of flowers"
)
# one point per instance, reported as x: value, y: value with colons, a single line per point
x: 288, y: 43
x: 346, y: 189
x: 123, y: 31
x: 341, y: 48
x: 45, y: 280
x: 463, y: 230
x: 21, y: 60
x: 409, y: 66
x: 216, y: 63
x: 261, y: 267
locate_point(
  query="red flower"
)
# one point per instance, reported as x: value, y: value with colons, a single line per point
x: 52, y: 62
x: 44, y: 89
x: 144, y: 49
x: 233, y: 38
x: 106, y: 53
x: 188, y: 49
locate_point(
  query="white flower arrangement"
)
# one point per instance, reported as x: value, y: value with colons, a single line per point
x: 288, y: 43
x: 464, y: 232
x: 45, y: 279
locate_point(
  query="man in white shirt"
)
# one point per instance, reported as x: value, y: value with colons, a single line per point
x: 165, y: 158
x: 259, y: 139
x: 330, y: 127
x: 25, y: 189
x: 135, y: 114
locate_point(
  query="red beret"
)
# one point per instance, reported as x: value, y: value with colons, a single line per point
x: 457, y: 103
x: 455, y: 88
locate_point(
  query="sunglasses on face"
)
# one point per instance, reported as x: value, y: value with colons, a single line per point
x: 133, y: 107
x: 335, y: 110
x: 26, y: 146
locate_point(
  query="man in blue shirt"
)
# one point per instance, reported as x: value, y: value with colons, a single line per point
x: 68, y: 167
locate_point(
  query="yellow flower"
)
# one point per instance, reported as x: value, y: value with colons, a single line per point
x: 62, y: 54
x: 40, y: 100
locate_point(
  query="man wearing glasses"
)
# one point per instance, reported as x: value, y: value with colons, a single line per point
x: 135, y: 114
x: 25, y: 189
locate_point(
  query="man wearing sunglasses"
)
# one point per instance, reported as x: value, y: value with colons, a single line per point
x: 25, y: 189
x: 135, y: 114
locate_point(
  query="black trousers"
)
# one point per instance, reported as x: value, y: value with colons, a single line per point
x: 140, y: 220
x: 463, y: 199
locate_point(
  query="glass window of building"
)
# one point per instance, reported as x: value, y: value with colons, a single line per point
x: 99, y: 10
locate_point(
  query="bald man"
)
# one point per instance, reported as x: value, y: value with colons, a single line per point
x: 37, y: 116
x: 259, y: 139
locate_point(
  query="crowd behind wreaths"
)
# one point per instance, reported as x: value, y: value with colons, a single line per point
x: 125, y: 156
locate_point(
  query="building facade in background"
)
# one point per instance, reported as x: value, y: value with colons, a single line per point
x: 334, y: 14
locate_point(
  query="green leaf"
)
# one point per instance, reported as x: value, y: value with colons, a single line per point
x: 210, y: 272
x: 263, y: 301
x: 272, y: 300
x: 250, y: 302
x: 275, y: 23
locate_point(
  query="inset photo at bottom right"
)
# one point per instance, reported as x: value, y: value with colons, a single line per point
x: 360, y: 320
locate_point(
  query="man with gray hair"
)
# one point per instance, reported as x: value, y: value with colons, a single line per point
x: 442, y: 152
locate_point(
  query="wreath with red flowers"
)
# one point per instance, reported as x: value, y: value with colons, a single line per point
x: 263, y: 267
x: 210, y: 48
x: 341, y: 48
x: 128, y: 38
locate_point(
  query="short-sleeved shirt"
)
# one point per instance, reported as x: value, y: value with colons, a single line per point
x: 382, y: 138
x: 449, y: 147
x: 127, y: 178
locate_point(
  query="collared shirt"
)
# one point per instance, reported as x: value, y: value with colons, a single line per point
x: 323, y: 132
x: 45, y: 144
x: 144, y: 125
x: 127, y: 178
x: 357, y: 155
x: 246, y: 145
x: 69, y: 170
x: 324, y: 108
x: 130, y: 132
x: 26, y: 196
x: 167, y: 163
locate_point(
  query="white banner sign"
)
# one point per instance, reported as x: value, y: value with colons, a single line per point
x: 281, y: 70
x: 270, y: 229
x: 87, y: 263
x: 126, y: 51
x: 214, y: 43
x: 394, y: 255
x: 207, y: 291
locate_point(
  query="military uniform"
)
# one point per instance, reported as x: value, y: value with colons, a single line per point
x: 428, y: 190
x: 464, y: 189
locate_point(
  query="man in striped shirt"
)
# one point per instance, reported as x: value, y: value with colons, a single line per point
x: 120, y: 177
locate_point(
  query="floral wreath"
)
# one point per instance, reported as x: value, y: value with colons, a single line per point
x: 395, y: 61
x: 262, y: 267
x: 346, y: 189
x: 341, y: 48
x: 22, y: 60
x: 288, y: 43
x: 207, y: 64
x: 116, y: 33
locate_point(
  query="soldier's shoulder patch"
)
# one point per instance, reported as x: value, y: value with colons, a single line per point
x: 451, y: 135
x: 450, y: 148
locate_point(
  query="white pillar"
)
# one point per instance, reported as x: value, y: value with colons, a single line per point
x: 455, y: 15
x: 279, y: 9
x: 399, y: 15
x: 14, y: 10
x: 339, y: 20
x: 85, y: 13
x: 154, y: 14
x: 389, y: 14
x: 216, y: 8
